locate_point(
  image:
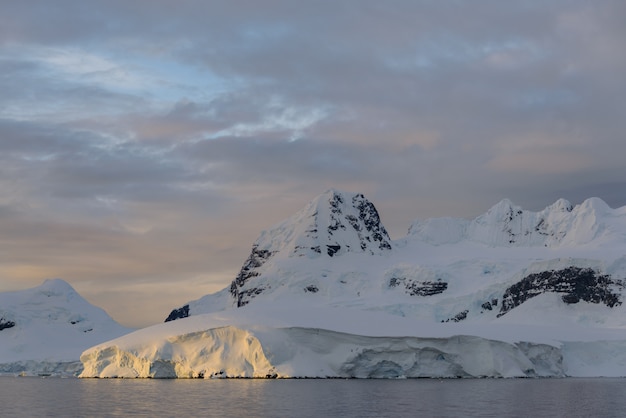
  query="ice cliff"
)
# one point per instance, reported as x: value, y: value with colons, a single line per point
x: 306, y: 352
x: 380, y: 346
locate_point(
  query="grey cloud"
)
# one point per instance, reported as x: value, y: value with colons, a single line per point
x: 429, y: 107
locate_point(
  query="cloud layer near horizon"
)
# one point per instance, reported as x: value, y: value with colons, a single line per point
x: 144, y: 145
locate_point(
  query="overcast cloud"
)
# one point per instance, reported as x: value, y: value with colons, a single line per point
x: 145, y: 144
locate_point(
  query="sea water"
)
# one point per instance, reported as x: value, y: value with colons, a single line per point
x: 41, y: 397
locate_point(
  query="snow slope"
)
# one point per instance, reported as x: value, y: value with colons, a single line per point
x: 521, y: 293
x: 44, y: 330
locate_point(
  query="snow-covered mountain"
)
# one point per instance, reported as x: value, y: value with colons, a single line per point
x: 44, y: 330
x: 332, y: 225
x: 441, y: 261
x: 534, y: 281
x: 558, y: 225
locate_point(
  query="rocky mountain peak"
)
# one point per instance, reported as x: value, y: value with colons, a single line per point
x: 332, y: 224
x: 345, y: 222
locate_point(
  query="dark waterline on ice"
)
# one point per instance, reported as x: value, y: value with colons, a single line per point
x: 40, y: 397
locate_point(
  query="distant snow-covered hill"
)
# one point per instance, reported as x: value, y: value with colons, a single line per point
x: 509, y: 276
x: 44, y: 330
x: 558, y: 225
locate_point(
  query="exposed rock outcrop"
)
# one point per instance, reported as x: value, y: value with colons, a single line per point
x: 575, y: 283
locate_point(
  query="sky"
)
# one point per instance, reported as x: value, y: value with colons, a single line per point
x: 144, y: 145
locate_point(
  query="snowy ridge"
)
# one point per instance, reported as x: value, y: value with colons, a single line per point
x: 326, y: 293
x: 43, y: 330
x: 506, y: 224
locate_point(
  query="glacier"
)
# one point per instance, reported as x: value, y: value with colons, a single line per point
x: 327, y: 293
x: 233, y: 345
x: 319, y: 353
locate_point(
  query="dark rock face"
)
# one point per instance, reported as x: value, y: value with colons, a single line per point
x: 312, y: 289
x: 489, y: 305
x: 575, y: 283
x: 5, y: 323
x: 332, y: 249
x: 178, y: 314
x: 367, y: 224
x: 458, y: 317
x: 244, y: 296
x: 256, y: 259
x: 370, y: 218
x: 419, y: 288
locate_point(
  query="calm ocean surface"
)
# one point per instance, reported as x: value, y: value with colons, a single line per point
x: 41, y: 397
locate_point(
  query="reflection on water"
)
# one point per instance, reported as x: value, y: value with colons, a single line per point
x: 37, y: 397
